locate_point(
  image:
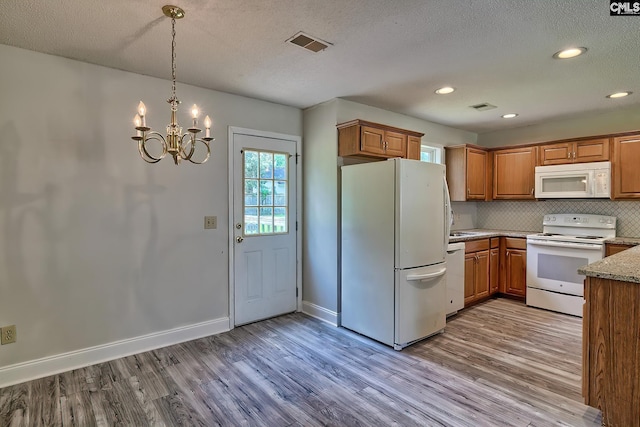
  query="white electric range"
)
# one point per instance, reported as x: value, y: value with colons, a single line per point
x: 568, y: 242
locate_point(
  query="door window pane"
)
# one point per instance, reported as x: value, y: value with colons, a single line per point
x: 266, y: 165
x: 266, y: 192
x: 250, y: 164
x: 250, y: 221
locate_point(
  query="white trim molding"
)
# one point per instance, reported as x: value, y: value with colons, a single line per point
x: 51, y: 365
x: 321, y: 313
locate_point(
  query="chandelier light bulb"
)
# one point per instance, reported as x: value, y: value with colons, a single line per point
x: 142, y: 110
x: 195, y: 111
x: 137, y: 121
x: 207, y: 127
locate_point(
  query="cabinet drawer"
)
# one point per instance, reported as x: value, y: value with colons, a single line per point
x: 515, y: 243
x: 495, y: 242
x: 476, y: 245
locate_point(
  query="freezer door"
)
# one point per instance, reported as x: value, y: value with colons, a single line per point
x: 421, y: 214
x: 420, y: 303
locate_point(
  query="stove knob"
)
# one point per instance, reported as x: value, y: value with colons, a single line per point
x: 553, y: 218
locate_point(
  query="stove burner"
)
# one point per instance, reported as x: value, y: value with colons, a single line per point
x: 549, y: 234
x: 588, y: 237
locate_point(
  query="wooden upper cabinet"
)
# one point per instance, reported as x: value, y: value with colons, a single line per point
x: 468, y: 172
x: 413, y: 147
x: 626, y: 167
x: 584, y: 151
x: 366, y: 139
x: 372, y: 140
x: 514, y: 173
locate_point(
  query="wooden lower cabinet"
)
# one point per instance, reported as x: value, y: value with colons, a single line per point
x: 513, y: 266
x: 614, y: 248
x: 494, y: 266
x: 476, y: 271
x: 611, y: 349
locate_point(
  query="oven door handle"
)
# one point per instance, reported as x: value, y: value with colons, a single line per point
x: 565, y: 245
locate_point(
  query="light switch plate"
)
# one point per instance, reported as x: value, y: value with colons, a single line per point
x: 210, y: 222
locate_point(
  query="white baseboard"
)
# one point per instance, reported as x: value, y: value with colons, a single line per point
x: 33, y: 369
x: 321, y: 313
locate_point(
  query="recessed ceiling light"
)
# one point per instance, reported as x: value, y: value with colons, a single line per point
x: 509, y: 116
x: 570, y: 53
x: 445, y: 90
x: 619, y: 94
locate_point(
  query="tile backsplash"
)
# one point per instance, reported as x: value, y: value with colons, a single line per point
x: 527, y: 215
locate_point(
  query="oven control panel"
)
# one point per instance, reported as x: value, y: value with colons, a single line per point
x: 580, y: 220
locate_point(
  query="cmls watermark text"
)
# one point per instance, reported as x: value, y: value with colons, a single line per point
x: 618, y: 8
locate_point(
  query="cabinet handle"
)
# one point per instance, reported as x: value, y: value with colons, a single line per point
x: 508, y: 253
x: 468, y: 191
x: 532, y: 191
x: 574, y: 154
x: 631, y: 140
x: 569, y: 155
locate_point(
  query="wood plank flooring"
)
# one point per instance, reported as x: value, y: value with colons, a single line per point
x: 499, y: 363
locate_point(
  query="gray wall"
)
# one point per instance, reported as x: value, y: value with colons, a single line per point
x: 97, y: 245
x: 619, y: 120
x: 321, y: 262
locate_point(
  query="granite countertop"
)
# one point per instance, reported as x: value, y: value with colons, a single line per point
x: 479, y: 233
x: 623, y: 266
x: 624, y: 241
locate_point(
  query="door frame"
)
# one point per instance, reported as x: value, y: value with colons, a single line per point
x: 233, y: 130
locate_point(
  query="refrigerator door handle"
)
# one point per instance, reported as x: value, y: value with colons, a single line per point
x: 448, y: 215
x: 426, y: 276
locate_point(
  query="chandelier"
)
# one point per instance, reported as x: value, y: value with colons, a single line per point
x: 180, y: 146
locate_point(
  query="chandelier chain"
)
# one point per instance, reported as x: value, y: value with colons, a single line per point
x: 173, y: 61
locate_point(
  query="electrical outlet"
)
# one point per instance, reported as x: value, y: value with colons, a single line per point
x: 8, y: 335
x: 210, y: 222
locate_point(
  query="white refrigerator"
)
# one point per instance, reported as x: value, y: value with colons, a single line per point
x: 395, y: 230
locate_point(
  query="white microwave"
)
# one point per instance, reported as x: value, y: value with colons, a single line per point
x: 576, y: 180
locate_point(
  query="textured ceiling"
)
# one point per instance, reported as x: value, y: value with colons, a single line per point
x: 388, y: 54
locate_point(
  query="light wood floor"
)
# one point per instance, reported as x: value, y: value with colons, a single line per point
x: 498, y: 364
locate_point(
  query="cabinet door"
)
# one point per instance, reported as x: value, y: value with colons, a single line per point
x: 593, y: 150
x: 469, y: 277
x: 482, y: 274
x: 516, y: 272
x: 395, y: 144
x: 494, y: 270
x: 514, y: 173
x: 371, y: 140
x: 626, y: 173
x: 476, y: 174
x: 413, y: 148
x: 556, y: 154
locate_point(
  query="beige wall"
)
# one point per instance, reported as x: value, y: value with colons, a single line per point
x: 96, y: 245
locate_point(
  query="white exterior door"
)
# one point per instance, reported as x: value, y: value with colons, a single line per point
x: 264, y: 227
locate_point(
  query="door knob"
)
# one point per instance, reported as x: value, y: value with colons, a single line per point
x: 239, y: 239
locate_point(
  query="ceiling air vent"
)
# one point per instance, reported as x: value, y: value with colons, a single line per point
x: 309, y: 43
x: 483, y: 107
